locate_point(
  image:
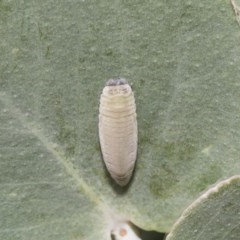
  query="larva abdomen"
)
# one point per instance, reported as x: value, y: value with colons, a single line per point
x: 118, y: 130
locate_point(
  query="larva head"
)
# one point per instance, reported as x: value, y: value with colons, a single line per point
x: 116, y: 82
x: 117, y: 86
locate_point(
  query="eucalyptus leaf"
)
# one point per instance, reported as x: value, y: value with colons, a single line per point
x: 182, y: 59
x: 214, y: 215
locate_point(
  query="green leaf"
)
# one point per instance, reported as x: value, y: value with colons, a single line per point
x: 214, y: 215
x: 183, y: 61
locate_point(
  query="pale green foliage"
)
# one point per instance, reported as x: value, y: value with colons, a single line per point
x: 215, y: 215
x: 182, y: 58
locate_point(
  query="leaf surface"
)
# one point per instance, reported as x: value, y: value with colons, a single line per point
x: 214, y: 215
x: 182, y: 59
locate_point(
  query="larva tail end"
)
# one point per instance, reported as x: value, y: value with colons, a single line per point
x: 122, y: 182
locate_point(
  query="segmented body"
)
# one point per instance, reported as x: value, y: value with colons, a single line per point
x: 118, y: 130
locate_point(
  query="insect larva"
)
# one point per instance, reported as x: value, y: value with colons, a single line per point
x: 118, y: 129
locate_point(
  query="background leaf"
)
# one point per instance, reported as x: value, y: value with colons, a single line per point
x: 183, y: 61
x: 215, y: 215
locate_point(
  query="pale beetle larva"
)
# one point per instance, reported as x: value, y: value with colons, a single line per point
x: 118, y: 129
